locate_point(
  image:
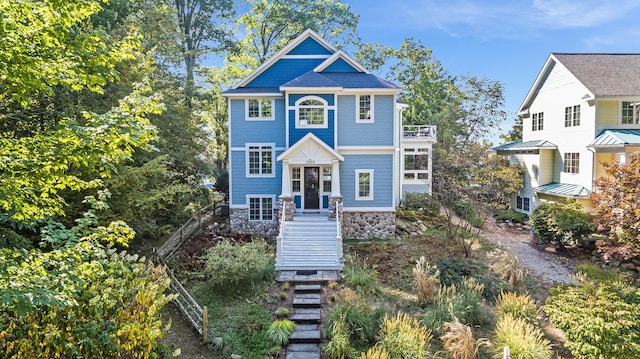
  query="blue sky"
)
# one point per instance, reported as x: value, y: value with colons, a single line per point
x: 507, y: 41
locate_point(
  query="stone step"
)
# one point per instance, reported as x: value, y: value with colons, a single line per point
x: 306, y: 302
x: 307, y: 288
x: 306, y: 334
x: 307, y: 296
x: 302, y: 348
x: 304, y: 355
x: 306, y: 316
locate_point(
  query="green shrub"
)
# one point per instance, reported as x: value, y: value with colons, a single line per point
x: 512, y: 216
x: 229, y: 264
x: 426, y: 280
x: 524, y: 340
x: 280, y: 331
x: 403, y: 337
x: 356, y: 319
x: 361, y: 277
x: 518, y: 306
x: 594, y: 272
x: 453, y: 270
x: 423, y: 202
x: 561, y: 223
x: 464, y: 302
x: 282, y: 312
x: 339, y: 347
x: 608, y: 317
x: 466, y: 209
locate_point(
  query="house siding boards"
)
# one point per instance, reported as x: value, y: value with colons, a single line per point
x: 244, y: 186
x: 256, y: 130
x: 350, y: 132
x: 325, y: 134
x: 382, y: 166
x: 309, y: 46
x: 339, y: 66
x: 284, y: 70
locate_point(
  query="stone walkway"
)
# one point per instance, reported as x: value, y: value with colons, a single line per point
x: 304, y: 343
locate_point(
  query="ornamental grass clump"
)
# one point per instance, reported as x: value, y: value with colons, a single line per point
x: 458, y: 341
x: 355, y: 318
x: 426, y: 280
x: 361, y: 276
x: 518, y: 306
x: 403, y: 337
x: 375, y: 353
x: 280, y: 331
x: 339, y: 347
x: 524, y: 340
x: 463, y: 301
x: 509, y: 269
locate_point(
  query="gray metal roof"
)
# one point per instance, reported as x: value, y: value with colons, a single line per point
x: 563, y: 190
x: 617, y: 137
x: 529, y: 145
x: 605, y: 74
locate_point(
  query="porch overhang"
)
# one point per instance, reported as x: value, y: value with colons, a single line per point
x: 566, y: 190
x: 310, y: 150
x: 615, y: 140
x: 526, y: 146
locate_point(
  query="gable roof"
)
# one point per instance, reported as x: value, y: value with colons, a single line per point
x: 529, y: 145
x: 616, y: 138
x: 340, y: 55
x: 280, y: 54
x: 310, y: 148
x: 342, y: 80
x: 613, y: 74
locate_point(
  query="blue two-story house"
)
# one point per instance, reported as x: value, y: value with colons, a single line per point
x: 317, y: 148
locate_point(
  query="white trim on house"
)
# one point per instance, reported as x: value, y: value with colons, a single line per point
x: 342, y: 55
x: 368, y: 209
x: 347, y: 150
x: 376, y: 91
x: 357, y: 187
x: 273, y: 157
x: 306, y: 56
x: 253, y: 94
x: 325, y: 109
x: 229, y: 155
x: 274, y: 205
x: 280, y: 54
x: 259, y: 118
x: 371, y: 118
x: 309, y: 148
x: 315, y: 90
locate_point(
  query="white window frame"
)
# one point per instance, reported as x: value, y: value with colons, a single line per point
x: 262, y: 147
x: 537, y: 121
x: 260, y: 117
x: 325, y: 107
x: 371, y: 109
x: 296, y: 179
x: 636, y: 112
x: 415, y: 151
x: 571, y: 162
x: 370, y: 196
x: 261, y: 197
x: 572, y: 116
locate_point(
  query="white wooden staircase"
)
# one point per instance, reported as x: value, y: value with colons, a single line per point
x: 309, y: 242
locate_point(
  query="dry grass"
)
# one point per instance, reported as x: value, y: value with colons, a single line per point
x: 458, y: 340
x: 426, y: 280
x: 519, y: 306
x: 509, y: 269
x: 375, y: 353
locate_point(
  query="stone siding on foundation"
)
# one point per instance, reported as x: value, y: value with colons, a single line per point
x: 368, y: 225
x: 239, y: 220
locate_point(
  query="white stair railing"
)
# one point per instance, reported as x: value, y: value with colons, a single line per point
x: 339, y: 255
x: 280, y: 237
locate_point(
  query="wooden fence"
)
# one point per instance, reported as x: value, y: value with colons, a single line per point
x: 196, y: 314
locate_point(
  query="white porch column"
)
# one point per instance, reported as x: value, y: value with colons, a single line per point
x: 286, y: 179
x: 335, y: 178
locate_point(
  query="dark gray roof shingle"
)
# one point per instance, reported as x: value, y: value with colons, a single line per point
x: 605, y: 74
x: 340, y: 79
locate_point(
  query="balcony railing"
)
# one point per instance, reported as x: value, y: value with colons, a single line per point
x: 419, y: 132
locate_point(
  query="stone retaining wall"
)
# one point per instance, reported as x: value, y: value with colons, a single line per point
x: 240, y: 223
x: 368, y: 225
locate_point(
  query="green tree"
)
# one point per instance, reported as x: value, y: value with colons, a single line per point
x: 616, y: 201
x: 515, y: 134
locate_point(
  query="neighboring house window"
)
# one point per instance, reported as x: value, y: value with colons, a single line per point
x: 630, y: 113
x: 311, y: 112
x: 572, y: 116
x: 416, y: 163
x: 295, y: 179
x: 326, y: 179
x: 261, y: 208
x: 523, y: 203
x: 365, y: 109
x: 260, y: 160
x: 537, y: 121
x: 572, y: 162
x: 364, y: 184
x: 259, y: 109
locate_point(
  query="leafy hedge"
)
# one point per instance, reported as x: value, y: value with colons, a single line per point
x: 599, y: 319
x: 561, y: 222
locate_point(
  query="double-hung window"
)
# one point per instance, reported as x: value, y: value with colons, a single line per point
x: 295, y: 179
x: 537, y: 121
x: 259, y: 109
x: 365, y: 109
x: 630, y: 113
x: 311, y: 112
x: 260, y: 160
x: 572, y: 116
x: 572, y: 162
x: 261, y: 208
x: 364, y: 185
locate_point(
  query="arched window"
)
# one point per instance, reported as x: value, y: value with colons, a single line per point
x: 311, y: 112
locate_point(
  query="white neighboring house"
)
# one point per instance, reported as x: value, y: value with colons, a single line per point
x: 582, y: 110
